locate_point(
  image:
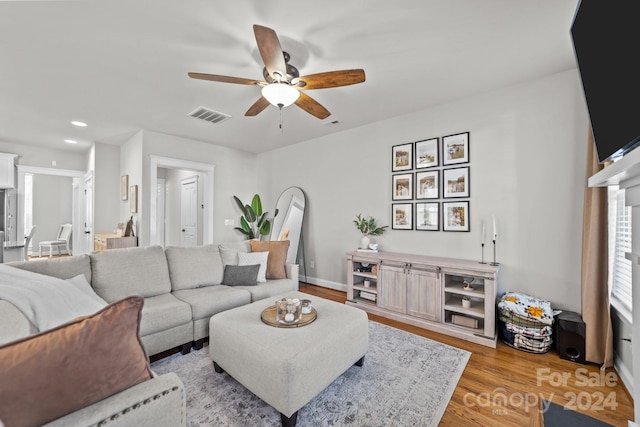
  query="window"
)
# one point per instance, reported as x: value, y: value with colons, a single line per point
x: 619, y: 245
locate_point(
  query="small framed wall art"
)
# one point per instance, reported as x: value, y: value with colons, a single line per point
x: 402, y: 186
x: 428, y: 216
x: 455, y: 149
x: 427, y: 153
x: 455, y: 216
x: 124, y: 188
x: 427, y: 184
x: 133, y: 199
x: 402, y: 216
x: 402, y: 156
x: 455, y: 182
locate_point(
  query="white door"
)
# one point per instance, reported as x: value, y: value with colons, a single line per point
x: 160, y: 208
x: 88, y: 216
x: 189, y: 212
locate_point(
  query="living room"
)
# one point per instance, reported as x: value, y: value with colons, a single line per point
x: 528, y: 142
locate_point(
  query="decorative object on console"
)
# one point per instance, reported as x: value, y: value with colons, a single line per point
x: 254, y: 223
x: 133, y: 199
x: 466, y: 302
x: 128, y: 232
x: 455, y: 149
x: 368, y: 227
x: 495, y: 238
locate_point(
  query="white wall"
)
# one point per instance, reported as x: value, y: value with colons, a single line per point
x: 527, y: 167
x: 106, y: 185
x: 131, y: 164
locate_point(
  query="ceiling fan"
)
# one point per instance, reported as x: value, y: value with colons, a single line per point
x: 282, y: 84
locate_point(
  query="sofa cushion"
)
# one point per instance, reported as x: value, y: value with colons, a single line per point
x: 271, y: 288
x: 277, y: 256
x: 62, y: 268
x: 51, y: 374
x: 229, y: 251
x: 194, y: 266
x: 235, y: 275
x: 252, y: 258
x: 118, y: 273
x: 163, y: 312
x: 207, y: 301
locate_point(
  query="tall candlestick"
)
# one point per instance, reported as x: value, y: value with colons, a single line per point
x: 483, y: 233
x: 495, y: 229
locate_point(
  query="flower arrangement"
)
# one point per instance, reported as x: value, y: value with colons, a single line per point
x: 368, y: 226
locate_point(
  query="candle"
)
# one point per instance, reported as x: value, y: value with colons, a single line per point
x: 483, y: 233
x: 495, y: 229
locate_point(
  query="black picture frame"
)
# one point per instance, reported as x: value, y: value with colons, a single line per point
x: 402, y: 157
x: 456, y: 183
x: 427, y: 184
x: 427, y: 153
x: 427, y: 216
x: 402, y: 186
x: 455, y: 216
x: 455, y: 149
x: 402, y: 216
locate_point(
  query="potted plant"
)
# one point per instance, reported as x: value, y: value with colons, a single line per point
x: 466, y: 302
x: 253, y: 222
x: 368, y: 227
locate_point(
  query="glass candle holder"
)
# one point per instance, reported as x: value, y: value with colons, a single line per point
x: 288, y: 310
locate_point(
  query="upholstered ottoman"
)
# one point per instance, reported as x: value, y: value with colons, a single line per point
x: 287, y: 367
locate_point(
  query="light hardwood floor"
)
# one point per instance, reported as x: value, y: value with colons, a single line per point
x: 505, y: 386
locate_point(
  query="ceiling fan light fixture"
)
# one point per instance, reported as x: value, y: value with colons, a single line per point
x: 280, y: 94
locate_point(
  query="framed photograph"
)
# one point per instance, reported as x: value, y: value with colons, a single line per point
x: 402, y: 216
x: 455, y: 182
x: 133, y: 198
x: 455, y: 216
x: 427, y: 184
x: 402, y: 157
x: 428, y: 216
x: 124, y: 188
x: 455, y: 149
x: 427, y: 153
x: 402, y: 186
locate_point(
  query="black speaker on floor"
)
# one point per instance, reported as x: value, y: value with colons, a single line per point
x: 570, y: 336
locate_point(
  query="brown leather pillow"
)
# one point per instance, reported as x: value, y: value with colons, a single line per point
x: 48, y: 375
x: 277, y: 256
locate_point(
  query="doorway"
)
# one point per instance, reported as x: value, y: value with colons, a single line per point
x: 205, y: 171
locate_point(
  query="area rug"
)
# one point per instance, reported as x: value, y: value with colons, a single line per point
x: 406, y: 380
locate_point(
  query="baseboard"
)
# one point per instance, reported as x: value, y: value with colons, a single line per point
x: 325, y: 283
x: 624, y: 374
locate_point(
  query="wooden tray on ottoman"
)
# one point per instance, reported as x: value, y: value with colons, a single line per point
x: 268, y: 316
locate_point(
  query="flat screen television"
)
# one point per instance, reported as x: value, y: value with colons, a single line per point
x: 606, y: 41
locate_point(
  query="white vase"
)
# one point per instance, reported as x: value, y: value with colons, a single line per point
x: 364, y: 242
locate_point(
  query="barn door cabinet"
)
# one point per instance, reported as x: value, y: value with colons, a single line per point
x: 427, y: 292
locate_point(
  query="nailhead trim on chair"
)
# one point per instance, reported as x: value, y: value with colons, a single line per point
x: 125, y: 411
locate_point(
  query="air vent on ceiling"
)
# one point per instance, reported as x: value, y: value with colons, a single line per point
x: 209, y: 115
x: 332, y: 122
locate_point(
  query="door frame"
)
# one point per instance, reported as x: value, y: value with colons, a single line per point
x: 77, y: 208
x: 207, y: 194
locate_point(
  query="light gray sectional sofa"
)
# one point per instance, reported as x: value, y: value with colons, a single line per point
x: 182, y: 288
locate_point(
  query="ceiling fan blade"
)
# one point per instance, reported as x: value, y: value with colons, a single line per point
x: 331, y: 79
x: 270, y: 51
x: 225, y: 79
x: 312, y: 106
x: 257, y: 107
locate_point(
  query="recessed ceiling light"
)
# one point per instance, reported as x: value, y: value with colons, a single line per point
x: 70, y: 141
x: 79, y: 124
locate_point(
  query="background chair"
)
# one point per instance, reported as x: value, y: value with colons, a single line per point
x: 63, y: 239
x: 27, y: 242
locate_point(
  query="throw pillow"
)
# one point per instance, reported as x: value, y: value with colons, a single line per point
x: 241, y: 275
x: 51, y: 374
x: 80, y: 282
x: 251, y: 258
x: 277, y: 256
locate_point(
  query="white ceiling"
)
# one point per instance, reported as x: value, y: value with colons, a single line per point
x: 121, y: 65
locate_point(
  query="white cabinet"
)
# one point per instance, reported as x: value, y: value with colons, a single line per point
x: 7, y: 170
x: 427, y: 292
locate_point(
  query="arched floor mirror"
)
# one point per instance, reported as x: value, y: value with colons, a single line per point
x: 287, y: 225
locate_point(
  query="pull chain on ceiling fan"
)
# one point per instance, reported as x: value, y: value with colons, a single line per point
x: 282, y: 85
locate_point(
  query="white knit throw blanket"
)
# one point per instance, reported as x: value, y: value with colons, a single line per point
x: 46, y: 301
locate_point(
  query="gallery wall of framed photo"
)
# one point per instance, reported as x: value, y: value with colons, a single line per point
x: 431, y: 184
